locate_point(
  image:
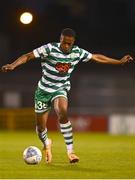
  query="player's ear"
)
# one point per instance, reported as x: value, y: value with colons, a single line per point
x: 61, y: 37
x: 73, y: 40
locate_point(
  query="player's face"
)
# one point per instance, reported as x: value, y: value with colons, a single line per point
x: 66, y: 43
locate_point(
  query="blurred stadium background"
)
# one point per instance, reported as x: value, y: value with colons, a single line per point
x: 102, y: 97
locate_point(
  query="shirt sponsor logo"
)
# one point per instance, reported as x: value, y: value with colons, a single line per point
x: 62, y: 67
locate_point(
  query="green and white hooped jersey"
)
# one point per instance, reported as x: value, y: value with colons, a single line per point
x: 57, y: 66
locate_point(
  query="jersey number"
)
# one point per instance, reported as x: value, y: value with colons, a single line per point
x: 40, y: 105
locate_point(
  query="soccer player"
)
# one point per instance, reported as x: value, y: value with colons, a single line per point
x: 58, y: 60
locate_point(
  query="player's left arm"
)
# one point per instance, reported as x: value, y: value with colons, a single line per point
x: 107, y: 60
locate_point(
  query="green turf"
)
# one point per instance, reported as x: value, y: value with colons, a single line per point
x: 101, y: 156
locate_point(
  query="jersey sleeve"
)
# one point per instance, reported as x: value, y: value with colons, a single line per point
x: 85, y: 55
x: 42, y: 51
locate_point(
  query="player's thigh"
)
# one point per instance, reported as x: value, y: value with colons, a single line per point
x: 60, y: 105
x: 60, y: 101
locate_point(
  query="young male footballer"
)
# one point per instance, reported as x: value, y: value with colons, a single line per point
x: 58, y: 60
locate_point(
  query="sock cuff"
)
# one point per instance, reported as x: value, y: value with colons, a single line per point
x: 44, y: 131
x: 65, y: 125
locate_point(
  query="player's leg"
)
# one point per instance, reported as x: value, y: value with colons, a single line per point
x: 41, y: 120
x: 42, y: 108
x: 41, y: 128
x: 60, y: 107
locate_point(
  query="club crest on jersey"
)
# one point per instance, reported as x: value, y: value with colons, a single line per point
x: 73, y: 55
x: 62, y: 67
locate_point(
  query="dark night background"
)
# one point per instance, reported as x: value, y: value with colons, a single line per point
x: 102, y: 26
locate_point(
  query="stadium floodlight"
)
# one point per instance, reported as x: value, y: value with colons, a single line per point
x: 26, y: 18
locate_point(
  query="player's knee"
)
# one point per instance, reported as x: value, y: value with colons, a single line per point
x: 62, y: 116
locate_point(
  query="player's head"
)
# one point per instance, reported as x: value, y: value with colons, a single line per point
x: 67, y: 39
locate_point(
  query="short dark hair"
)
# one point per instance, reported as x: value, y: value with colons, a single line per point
x: 68, y: 32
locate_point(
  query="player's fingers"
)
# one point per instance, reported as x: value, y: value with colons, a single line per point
x: 129, y: 59
x: 4, y: 69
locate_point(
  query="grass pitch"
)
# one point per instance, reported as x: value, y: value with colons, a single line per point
x: 101, y: 156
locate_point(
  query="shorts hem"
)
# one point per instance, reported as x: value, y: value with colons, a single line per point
x: 42, y: 111
x: 60, y: 95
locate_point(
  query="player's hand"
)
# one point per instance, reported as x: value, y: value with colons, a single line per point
x: 7, y: 67
x: 126, y: 59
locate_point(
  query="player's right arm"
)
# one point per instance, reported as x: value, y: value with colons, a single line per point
x: 21, y: 60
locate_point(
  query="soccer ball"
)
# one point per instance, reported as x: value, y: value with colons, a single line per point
x: 32, y: 155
